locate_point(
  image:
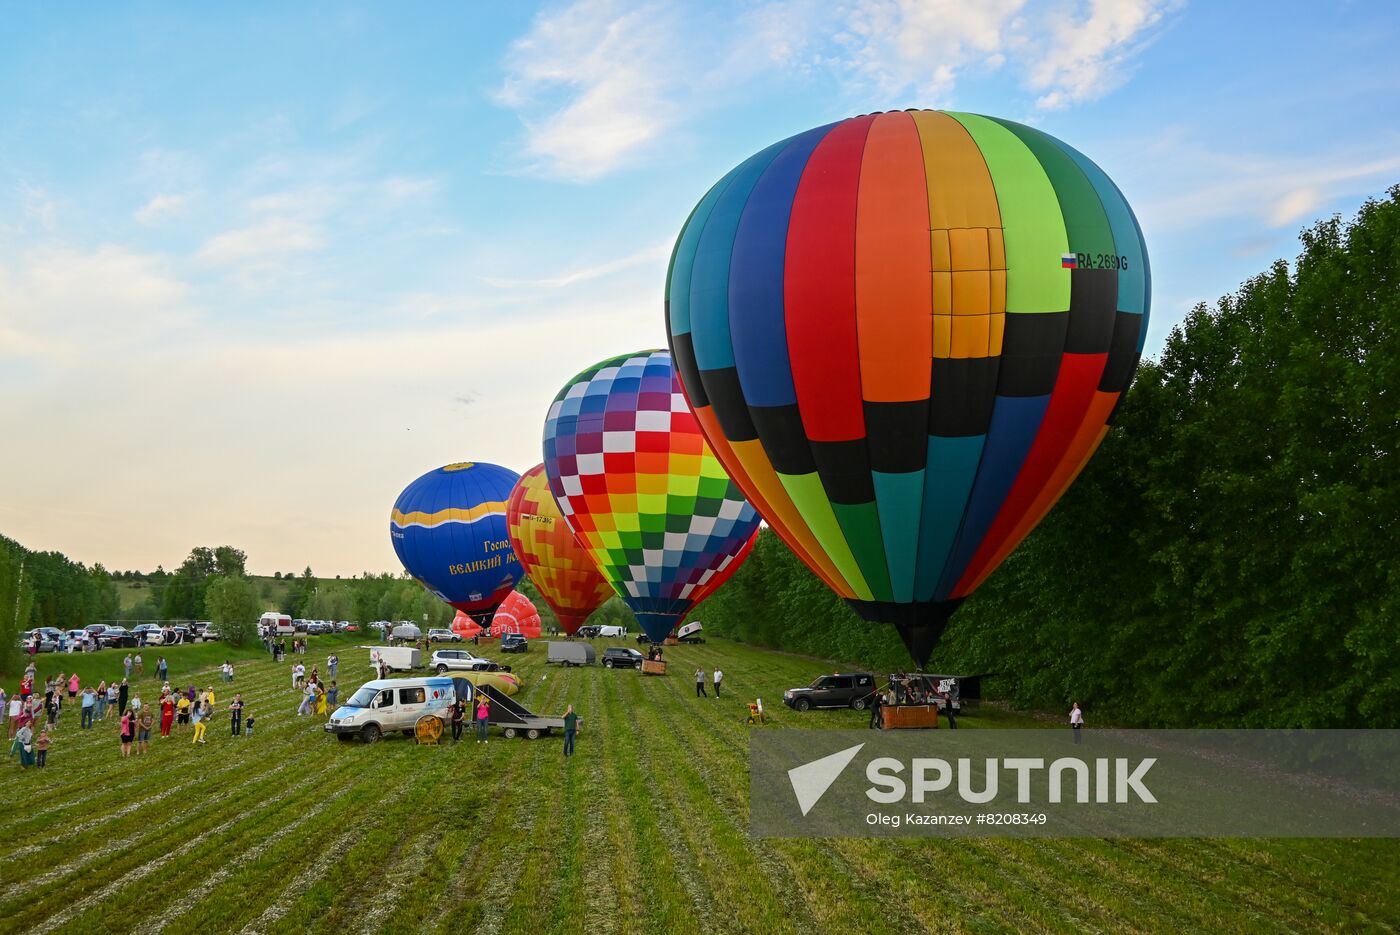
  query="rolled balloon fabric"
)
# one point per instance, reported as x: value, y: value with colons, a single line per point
x: 560, y: 567
x: 904, y: 334
x: 449, y: 530
x: 645, y: 495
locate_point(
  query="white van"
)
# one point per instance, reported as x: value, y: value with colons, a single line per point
x: 612, y: 631
x: 276, y: 624
x: 384, y: 705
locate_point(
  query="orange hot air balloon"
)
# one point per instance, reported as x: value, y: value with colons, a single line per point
x: 517, y: 614
x: 561, y: 569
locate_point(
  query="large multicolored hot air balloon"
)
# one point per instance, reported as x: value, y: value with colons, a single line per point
x: 449, y: 530
x: 904, y: 334
x: 637, y: 484
x: 561, y: 569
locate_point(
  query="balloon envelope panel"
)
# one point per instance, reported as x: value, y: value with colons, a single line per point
x: 904, y: 334
x: 449, y: 530
x: 645, y: 495
x: 561, y: 569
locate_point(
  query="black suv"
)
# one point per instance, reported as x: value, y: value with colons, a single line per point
x: 841, y: 690
x: 514, y: 643
x: 621, y: 657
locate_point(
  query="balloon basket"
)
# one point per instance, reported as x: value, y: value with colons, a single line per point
x: 908, y: 717
x: 653, y: 667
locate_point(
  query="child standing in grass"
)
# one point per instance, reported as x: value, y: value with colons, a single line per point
x: 41, y: 747
x: 248, y: 727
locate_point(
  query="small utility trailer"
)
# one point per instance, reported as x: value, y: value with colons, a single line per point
x: 515, y: 720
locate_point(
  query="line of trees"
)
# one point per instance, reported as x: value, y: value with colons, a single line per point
x: 1228, y: 558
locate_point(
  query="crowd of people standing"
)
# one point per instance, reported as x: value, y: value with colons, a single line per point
x: 31, y: 719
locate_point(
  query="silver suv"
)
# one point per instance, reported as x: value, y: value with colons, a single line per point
x: 459, y: 660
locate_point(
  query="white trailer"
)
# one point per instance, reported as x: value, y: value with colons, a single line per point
x: 397, y: 658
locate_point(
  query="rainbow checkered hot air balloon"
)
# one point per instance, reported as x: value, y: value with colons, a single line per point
x: 904, y: 334
x: 637, y: 484
x: 449, y: 530
x: 560, y: 567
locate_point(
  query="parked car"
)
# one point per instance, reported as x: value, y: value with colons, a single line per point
x: 588, y: 632
x: 117, y: 638
x: 438, y: 635
x: 44, y: 644
x: 144, y: 631
x: 456, y: 659
x: 210, y: 635
x: 609, y: 630
x: 514, y: 643
x: 839, y: 690
x: 95, y: 628
x: 622, y: 657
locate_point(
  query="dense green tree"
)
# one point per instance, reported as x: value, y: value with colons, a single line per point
x: 232, y: 605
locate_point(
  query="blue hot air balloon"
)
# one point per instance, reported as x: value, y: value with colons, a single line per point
x: 449, y: 530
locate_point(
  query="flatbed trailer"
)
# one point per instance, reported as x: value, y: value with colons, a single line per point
x: 514, y: 719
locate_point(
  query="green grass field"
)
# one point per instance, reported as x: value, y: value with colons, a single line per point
x: 645, y: 830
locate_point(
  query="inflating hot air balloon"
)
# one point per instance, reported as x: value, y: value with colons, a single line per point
x: 517, y: 614
x: 465, y: 625
x: 561, y: 569
x: 904, y: 334
x: 449, y: 530
x: 637, y: 484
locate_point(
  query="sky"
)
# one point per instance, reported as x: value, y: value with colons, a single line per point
x: 263, y: 264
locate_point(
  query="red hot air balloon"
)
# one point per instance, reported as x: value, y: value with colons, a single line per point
x: 517, y: 614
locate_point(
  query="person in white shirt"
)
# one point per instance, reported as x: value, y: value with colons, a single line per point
x: 1076, y: 721
x: 719, y: 677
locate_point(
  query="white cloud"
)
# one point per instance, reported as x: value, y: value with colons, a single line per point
x: 1299, y: 203
x: 596, y: 79
x: 64, y: 305
x: 1086, y: 56
x: 1195, y: 184
x: 597, y: 82
x: 653, y: 254
x: 919, y: 46
x: 161, y: 208
x: 268, y: 241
